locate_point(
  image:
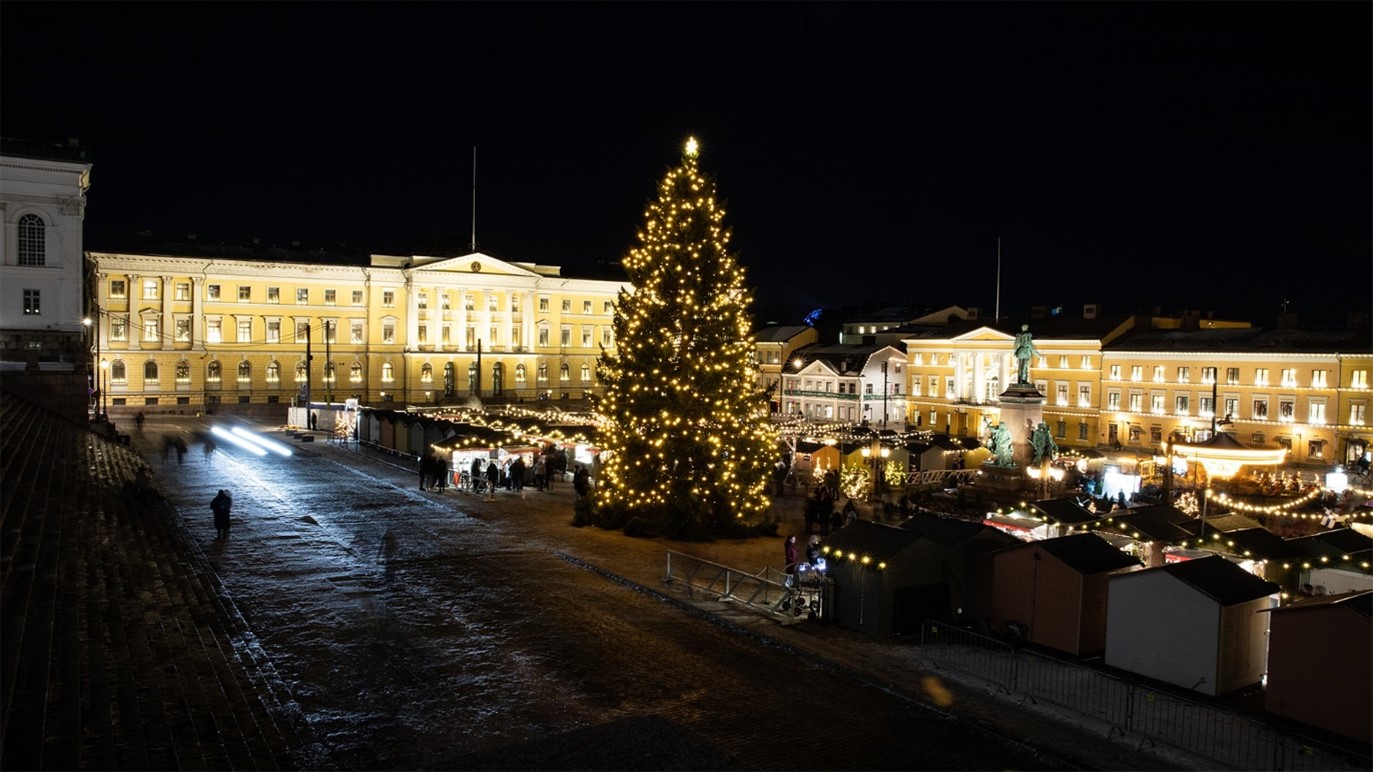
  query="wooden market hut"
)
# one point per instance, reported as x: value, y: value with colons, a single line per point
x: 1054, y: 591
x: 1195, y: 624
x: 889, y: 580
x: 1319, y: 668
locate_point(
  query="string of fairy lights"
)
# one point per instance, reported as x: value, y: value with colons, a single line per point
x: 681, y: 426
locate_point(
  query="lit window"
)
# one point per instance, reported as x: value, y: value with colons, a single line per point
x: 1260, y: 409
x: 586, y: 306
x: 33, y: 302
x: 213, y: 331
x: 543, y: 305
x: 388, y: 333
x: 388, y: 373
x: 1184, y: 374
x: 422, y: 301
x: 212, y: 292
x: 183, y: 371
x: 1180, y: 405
x: 355, y: 332
x: 1315, y: 411
x: 1158, y: 373
x: 1358, y: 379
x: 1289, y: 376
x: 183, y: 290
x: 1137, y: 372
x: 245, y: 371
x: 273, y: 294
x: 183, y: 330
x: 150, y: 289
x: 150, y: 330
x: 357, y: 297
x: 245, y: 293
x: 586, y: 373
x: 1356, y: 413
x: 543, y: 372
x: 388, y: 298
x: 355, y: 372
x: 519, y: 373
x: 1261, y: 376
x: 302, y: 332
x: 245, y: 330
x: 565, y: 373
x: 274, y: 372
x: 302, y: 296
x: 567, y: 306
x: 150, y: 374
x: 330, y: 297
x: 565, y: 339
x: 118, y: 288
x: 273, y: 330
x: 213, y: 372
x: 426, y: 373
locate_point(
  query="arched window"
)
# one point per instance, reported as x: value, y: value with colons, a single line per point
x: 355, y: 372
x: 472, y: 376
x: 586, y: 373
x: 388, y: 372
x: 150, y: 371
x: 117, y: 373
x: 213, y: 371
x: 329, y: 372
x: 32, y: 240
x: 519, y: 373
x: 497, y: 379
x: 273, y: 372
x: 543, y: 372
x: 426, y: 373
x: 245, y: 371
x: 448, y: 376
x: 300, y: 372
x: 183, y: 372
x: 564, y: 373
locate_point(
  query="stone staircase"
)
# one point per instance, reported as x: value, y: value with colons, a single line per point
x: 119, y: 647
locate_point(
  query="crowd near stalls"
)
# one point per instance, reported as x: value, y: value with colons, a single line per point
x: 463, y: 447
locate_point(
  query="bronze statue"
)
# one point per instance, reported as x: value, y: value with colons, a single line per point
x: 1024, y: 350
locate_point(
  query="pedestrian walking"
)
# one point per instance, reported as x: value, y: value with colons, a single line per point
x: 221, y: 505
x: 476, y: 475
x: 493, y: 478
x: 139, y: 419
x: 314, y: 420
x: 517, y: 474
x: 441, y: 473
x: 789, y: 550
x: 541, y: 471
x: 581, y: 482
x: 181, y: 450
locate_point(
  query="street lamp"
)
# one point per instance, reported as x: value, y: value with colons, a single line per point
x: 104, y: 388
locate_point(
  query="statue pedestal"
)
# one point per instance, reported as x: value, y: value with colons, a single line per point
x: 1001, y: 478
x: 1022, y: 408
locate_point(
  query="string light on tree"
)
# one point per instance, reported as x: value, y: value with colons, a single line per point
x: 686, y: 437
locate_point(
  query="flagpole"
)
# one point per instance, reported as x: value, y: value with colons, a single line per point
x: 998, y: 279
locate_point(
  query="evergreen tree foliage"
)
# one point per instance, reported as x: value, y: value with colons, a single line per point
x: 687, y: 441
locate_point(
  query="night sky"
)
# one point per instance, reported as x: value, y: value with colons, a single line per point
x: 1182, y: 154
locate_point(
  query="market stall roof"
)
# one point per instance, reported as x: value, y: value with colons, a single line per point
x: 1215, y: 577
x: 1333, y: 544
x: 1064, y: 511
x: 1253, y: 543
x: 1086, y: 553
x: 952, y: 532
x: 1143, y: 525
x: 1230, y: 522
x: 879, y: 542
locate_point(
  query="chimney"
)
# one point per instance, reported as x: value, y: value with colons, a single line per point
x: 1089, y: 311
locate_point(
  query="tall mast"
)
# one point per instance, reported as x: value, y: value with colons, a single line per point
x: 997, y: 310
x: 474, y: 198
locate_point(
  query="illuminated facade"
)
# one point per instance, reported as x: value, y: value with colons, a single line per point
x: 42, y: 204
x: 206, y: 326
x: 1108, y: 383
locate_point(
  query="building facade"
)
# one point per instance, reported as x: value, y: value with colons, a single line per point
x: 42, y: 205
x: 196, y: 327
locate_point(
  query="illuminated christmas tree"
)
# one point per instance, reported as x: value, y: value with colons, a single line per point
x: 687, y: 442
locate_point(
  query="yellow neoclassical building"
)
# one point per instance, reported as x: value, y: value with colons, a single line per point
x: 193, y: 326
x: 1128, y: 382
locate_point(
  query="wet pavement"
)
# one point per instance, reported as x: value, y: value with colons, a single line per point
x: 442, y: 631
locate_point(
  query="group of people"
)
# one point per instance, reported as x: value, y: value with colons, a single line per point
x: 433, y: 472
x: 514, y: 472
x: 820, y: 511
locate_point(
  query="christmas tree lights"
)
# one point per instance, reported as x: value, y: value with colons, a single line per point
x: 686, y: 437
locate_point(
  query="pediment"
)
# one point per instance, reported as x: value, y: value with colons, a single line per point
x: 984, y: 334
x: 476, y: 263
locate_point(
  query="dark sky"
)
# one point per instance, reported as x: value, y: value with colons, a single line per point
x: 1181, y: 154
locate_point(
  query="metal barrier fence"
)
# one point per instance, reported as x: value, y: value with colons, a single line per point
x: 765, y: 590
x: 1152, y: 716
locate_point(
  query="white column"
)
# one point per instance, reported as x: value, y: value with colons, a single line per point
x: 461, y: 332
x: 197, y: 342
x: 167, y: 323
x: 528, y: 307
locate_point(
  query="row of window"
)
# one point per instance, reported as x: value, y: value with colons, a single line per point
x: 1287, y: 406
x: 214, y: 372
x: 1288, y: 376
x: 214, y: 332
x: 152, y: 290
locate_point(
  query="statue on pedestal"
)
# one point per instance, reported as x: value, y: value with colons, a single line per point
x: 1024, y: 351
x: 1001, y: 445
x: 1042, y: 440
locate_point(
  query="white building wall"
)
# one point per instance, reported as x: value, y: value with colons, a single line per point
x: 1159, y: 627
x: 56, y: 192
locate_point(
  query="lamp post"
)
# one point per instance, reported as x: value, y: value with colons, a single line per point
x: 104, y: 388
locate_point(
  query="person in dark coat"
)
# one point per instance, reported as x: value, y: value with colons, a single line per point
x: 220, y: 506
x: 517, y: 474
x: 581, y: 482
x: 493, y: 477
x: 440, y: 473
x: 476, y: 475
